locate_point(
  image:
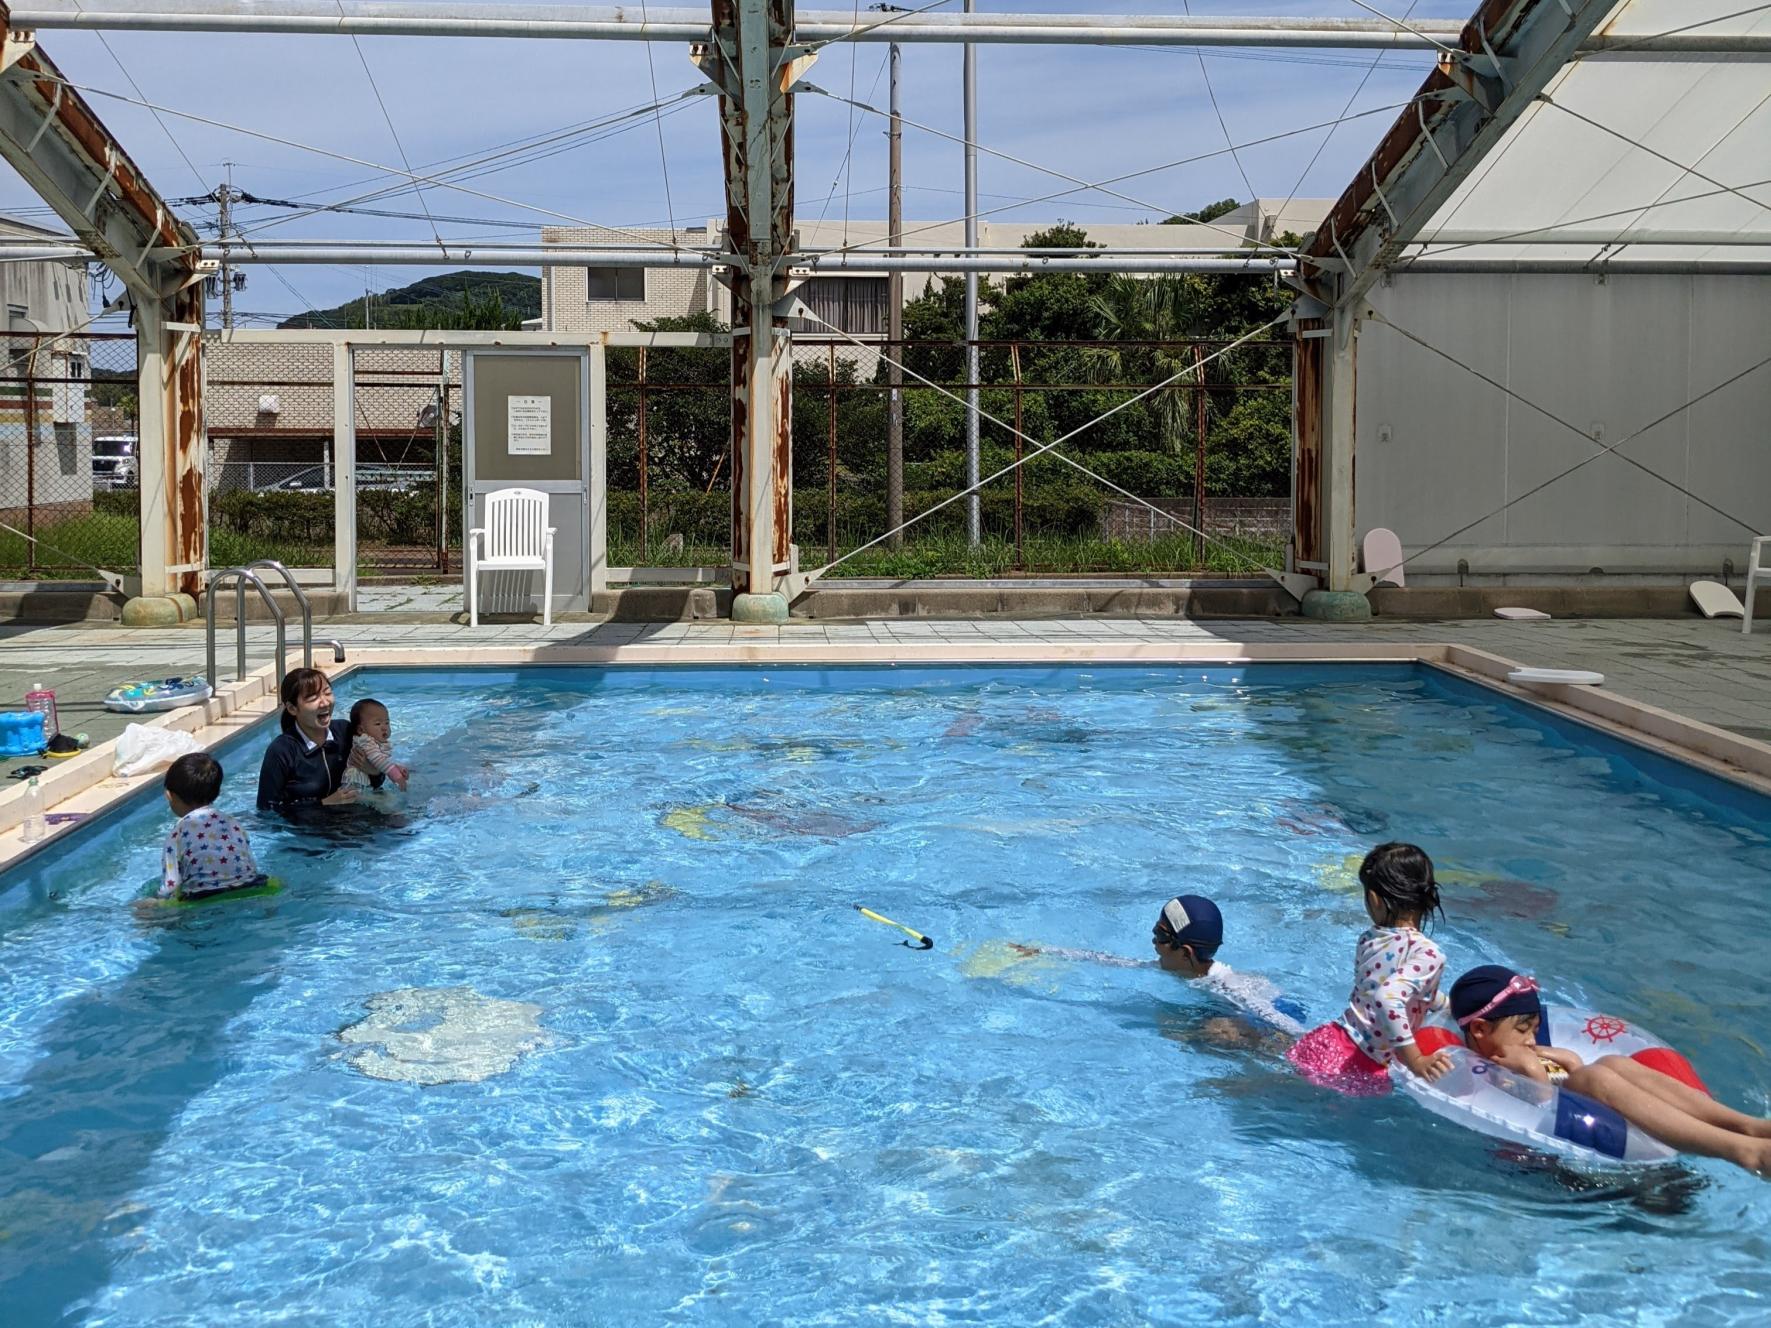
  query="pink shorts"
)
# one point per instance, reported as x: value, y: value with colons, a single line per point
x: 1329, y: 1057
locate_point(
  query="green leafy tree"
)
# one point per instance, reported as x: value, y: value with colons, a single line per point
x: 1249, y: 452
x: 1210, y: 212
x: 688, y: 424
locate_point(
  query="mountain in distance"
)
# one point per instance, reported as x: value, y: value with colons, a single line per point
x: 489, y: 300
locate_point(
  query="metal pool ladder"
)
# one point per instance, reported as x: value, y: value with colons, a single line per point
x: 248, y: 575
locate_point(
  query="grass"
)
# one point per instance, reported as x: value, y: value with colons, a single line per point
x: 110, y: 542
x: 66, y: 548
x: 951, y: 555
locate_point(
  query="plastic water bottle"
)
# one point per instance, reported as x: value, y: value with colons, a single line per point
x: 42, y: 700
x: 35, y: 826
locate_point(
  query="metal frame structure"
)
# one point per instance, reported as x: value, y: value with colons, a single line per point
x: 753, y: 52
x: 346, y: 342
x: 1506, y: 55
x: 385, y: 18
x: 57, y: 143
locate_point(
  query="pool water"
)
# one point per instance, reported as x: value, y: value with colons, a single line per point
x: 585, y: 1029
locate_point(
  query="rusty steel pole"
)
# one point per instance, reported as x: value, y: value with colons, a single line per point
x: 895, y: 318
x: 749, y: 61
x: 1199, y: 458
x: 1014, y: 353
x: 830, y: 504
x: 645, y: 511
x: 31, y: 457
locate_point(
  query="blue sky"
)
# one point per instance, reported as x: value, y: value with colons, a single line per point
x: 1089, y: 112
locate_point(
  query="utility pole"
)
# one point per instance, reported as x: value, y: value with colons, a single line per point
x: 225, y: 197
x: 973, y: 508
x: 895, y: 323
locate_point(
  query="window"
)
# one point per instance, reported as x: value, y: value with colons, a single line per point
x: 856, y: 305
x: 616, y: 283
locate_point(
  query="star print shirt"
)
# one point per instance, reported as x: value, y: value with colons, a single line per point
x: 1395, y: 985
x: 206, y: 851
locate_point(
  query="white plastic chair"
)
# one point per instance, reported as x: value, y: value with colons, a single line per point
x: 1757, y: 570
x: 517, y: 538
x: 1383, y: 556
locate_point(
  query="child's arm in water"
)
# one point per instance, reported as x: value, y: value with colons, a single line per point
x: 1090, y: 956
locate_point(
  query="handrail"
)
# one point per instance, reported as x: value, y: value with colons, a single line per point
x: 240, y: 576
x: 307, y: 609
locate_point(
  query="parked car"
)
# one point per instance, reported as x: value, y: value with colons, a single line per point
x: 114, y: 461
x: 386, y: 477
x: 312, y: 480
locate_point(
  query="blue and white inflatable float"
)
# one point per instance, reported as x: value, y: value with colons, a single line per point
x: 1498, y: 1102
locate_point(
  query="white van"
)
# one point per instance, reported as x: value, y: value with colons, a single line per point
x: 113, y: 462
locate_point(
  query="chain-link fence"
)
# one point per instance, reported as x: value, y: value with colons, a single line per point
x: 272, y: 467
x: 1172, y: 439
x: 68, y: 496
x: 1207, y: 451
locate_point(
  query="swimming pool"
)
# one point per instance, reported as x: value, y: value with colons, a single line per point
x: 688, y: 1083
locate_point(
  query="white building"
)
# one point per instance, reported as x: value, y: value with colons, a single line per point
x: 590, y: 299
x: 45, y: 440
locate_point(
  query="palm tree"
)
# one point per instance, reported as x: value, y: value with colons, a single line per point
x: 1173, y: 311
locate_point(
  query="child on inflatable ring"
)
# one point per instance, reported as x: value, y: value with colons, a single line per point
x: 1499, y: 1011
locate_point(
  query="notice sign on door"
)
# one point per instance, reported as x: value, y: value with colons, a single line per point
x: 530, y: 425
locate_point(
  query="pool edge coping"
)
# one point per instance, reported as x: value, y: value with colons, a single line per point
x: 85, y: 784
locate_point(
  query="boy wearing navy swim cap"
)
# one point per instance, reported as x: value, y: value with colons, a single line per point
x: 1187, y: 935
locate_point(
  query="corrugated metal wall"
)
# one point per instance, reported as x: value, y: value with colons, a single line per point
x: 1437, y: 447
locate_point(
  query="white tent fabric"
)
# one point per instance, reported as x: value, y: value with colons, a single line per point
x: 1679, y: 172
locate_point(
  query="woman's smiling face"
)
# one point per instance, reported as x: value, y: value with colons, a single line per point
x: 313, y: 712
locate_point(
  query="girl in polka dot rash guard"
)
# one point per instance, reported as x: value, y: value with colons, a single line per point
x: 1395, y: 983
x: 207, y: 851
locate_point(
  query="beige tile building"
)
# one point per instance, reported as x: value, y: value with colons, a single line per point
x: 588, y: 299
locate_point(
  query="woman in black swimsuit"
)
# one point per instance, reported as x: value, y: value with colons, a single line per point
x: 304, y: 765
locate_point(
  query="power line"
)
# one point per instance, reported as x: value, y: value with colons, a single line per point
x: 1101, y: 185
x: 897, y: 17
x: 386, y: 170
x: 555, y: 143
x: 1329, y: 136
x: 658, y: 120
x: 1399, y: 23
x: 843, y: 170
x: 1212, y: 93
x: 170, y: 138
x: 394, y: 133
x: 1512, y: 236
x: 1661, y: 156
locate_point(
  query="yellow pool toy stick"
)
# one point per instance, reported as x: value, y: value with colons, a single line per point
x: 924, y: 942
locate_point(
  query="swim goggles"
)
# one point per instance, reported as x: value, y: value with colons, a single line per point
x: 1517, y: 985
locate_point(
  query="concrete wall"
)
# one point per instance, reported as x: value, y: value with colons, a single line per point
x: 670, y: 292
x: 1438, y: 448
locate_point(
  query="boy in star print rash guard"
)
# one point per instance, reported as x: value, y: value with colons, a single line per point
x: 207, y: 851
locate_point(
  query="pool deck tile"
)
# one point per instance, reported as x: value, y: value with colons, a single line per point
x: 1704, y: 670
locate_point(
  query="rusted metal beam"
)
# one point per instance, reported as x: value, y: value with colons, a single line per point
x: 58, y: 144
x: 749, y: 60
x: 1507, y: 54
x: 1306, y: 461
